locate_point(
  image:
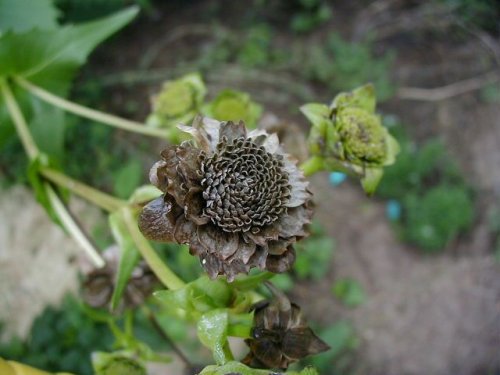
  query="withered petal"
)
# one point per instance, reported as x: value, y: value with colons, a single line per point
x: 294, y: 222
x: 157, y: 219
x: 281, y: 263
x: 183, y: 230
x: 218, y: 242
x: 157, y: 175
x: 193, y: 207
x: 280, y: 246
x: 231, y: 131
x: 301, y: 342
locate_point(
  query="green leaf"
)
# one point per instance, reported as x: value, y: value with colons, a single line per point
x: 127, y: 178
x: 212, y: 332
x: 371, y: 179
x: 50, y: 58
x: 349, y: 291
x: 23, y: 15
x: 48, y: 127
x: 118, y: 363
x: 316, y: 113
x: 128, y: 259
x: 239, y: 368
x: 212, y: 293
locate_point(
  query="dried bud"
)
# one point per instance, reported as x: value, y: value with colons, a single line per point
x: 280, y: 335
x: 237, y: 199
x: 99, y: 284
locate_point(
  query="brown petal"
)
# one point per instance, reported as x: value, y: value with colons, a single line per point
x: 231, y: 131
x: 193, y: 208
x: 294, y: 221
x: 212, y: 265
x: 281, y: 263
x: 280, y: 246
x: 301, y: 342
x: 222, y: 243
x: 157, y: 219
x: 183, y: 230
x: 266, y: 352
x: 158, y: 176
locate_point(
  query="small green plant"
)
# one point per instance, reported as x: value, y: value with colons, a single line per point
x: 309, y: 14
x: 436, y: 203
x: 434, y: 219
x: 349, y: 291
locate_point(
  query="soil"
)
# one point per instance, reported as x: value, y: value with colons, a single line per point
x: 433, y: 315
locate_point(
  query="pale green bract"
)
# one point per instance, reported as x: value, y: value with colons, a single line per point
x: 239, y: 368
x: 348, y: 136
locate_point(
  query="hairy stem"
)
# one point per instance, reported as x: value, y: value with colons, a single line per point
x: 19, y: 121
x: 89, y: 113
x: 103, y: 200
x: 72, y: 227
x: 160, y: 269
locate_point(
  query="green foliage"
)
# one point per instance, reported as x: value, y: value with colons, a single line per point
x: 126, y: 178
x: 437, y: 204
x: 13, y: 15
x: 309, y: 15
x: 314, y: 255
x: 349, y: 291
x: 84, y: 10
x: 479, y: 13
x: 343, y: 65
x: 256, y: 49
x: 60, y: 339
x: 241, y: 369
x: 435, y: 218
x: 117, y: 364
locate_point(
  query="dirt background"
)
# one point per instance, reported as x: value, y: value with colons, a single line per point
x: 424, y: 314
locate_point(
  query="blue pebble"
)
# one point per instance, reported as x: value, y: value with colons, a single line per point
x: 336, y: 178
x: 393, y: 210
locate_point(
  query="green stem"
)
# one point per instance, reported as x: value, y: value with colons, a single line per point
x: 103, y: 200
x: 312, y: 165
x: 72, y: 227
x: 19, y: 121
x: 89, y: 113
x: 160, y: 269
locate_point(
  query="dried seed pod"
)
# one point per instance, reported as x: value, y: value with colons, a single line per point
x: 99, y: 283
x: 235, y: 197
x: 280, y: 335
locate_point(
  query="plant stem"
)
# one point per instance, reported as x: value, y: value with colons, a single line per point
x: 89, y: 113
x: 19, y: 121
x: 72, y: 227
x: 312, y: 165
x: 160, y: 269
x: 103, y: 200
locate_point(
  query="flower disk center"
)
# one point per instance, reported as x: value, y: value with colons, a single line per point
x: 244, y: 186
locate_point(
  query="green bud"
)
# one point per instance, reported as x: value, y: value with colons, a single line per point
x: 179, y: 101
x: 349, y: 137
x: 231, y: 105
x: 362, y: 135
x: 116, y: 364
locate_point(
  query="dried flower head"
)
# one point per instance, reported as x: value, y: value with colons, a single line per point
x: 99, y: 283
x: 280, y: 335
x: 235, y: 197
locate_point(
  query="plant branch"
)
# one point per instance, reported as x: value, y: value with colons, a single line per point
x: 448, y: 91
x: 72, y: 227
x: 103, y: 200
x: 160, y: 269
x: 89, y: 113
x: 19, y: 121
x: 312, y: 165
